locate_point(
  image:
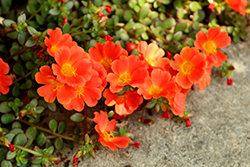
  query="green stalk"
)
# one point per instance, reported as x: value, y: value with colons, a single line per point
x: 77, y: 21
x: 41, y: 7
x: 46, y: 130
x: 29, y: 150
x: 17, y: 53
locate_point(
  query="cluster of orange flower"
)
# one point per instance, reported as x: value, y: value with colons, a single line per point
x: 79, y: 77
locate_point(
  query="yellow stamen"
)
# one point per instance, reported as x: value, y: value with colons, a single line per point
x: 107, y: 136
x: 106, y: 62
x: 68, y: 70
x: 125, y: 78
x: 80, y: 91
x: 54, y: 49
x: 187, y: 68
x: 57, y: 85
x: 209, y: 47
x: 155, y: 90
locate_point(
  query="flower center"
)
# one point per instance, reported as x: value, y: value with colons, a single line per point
x: 68, y: 70
x: 57, y: 85
x: 187, y: 67
x: 54, y: 49
x: 154, y: 90
x: 80, y: 91
x: 106, y: 62
x: 107, y: 136
x: 125, y: 78
x: 209, y: 47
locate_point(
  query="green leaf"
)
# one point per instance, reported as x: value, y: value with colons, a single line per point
x: 30, y: 42
x: 4, y: 107
x: 52, y: 106
x: 21, y: 19
x: 6, y: 163
x: 39, y: 109
x: 54, y: 11
x: 61, y: 127
x: 77, y: 117
x: 143, y: 13
x: 127, y: 15
x: 199, y: 15
x: 10, y: 155
x: 181, y: 13
x: 31, y: 9
x: 181, y: 26
x: 31, y: 30
x: 16, y: 91
x: 7, y: 118
x: 169, y: 23
x: 10, y: 136
x: 37, y: 161
x: 30, y: 65
x: 53, y: 125
x: 40, y: 19
x: 8, y: 22
x: 16, y: 125
x: 29, y: 142
x: 177, y: 36
x: 178, y: 4
x: 66, y: 27
x: 18, y: 69
x: 51, y: 149
x: 48, y: 143
x: 69, y: 5
x: 20, y: 139
x: 31, y: 131
x: 151, y: 104
x: 3, y: 152
x: 194, y: 6
x: 16, y: 131
x: 59, y: 143
x: 41, y: 139
x: 21, y: 37
x: 29, y: 84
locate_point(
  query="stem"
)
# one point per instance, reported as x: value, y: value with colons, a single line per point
x: 85, y: 123
x: 46, y: 130
x: 36, y: 12
x: 17, y: 53
x: 26, y: 75
x: 77, y: 21
x: 29, y: 150
x: 78, y: 33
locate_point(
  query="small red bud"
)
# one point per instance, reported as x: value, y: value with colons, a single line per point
x: 100, y: 14
x: 165, y: 115
x: 65, y: 20
x: 108, y: 38
x: 11, y: 147
x: 40, y: 56
x: 57, y: 162
x: 230, y: 81
x: 136, y: 144
x: 75, y: 159
x: 169, y: 55
x: 188, y: 122
x: 108, y: 8
x: 211, y: 7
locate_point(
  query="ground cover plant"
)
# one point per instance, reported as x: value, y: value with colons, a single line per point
x: 118, y: 56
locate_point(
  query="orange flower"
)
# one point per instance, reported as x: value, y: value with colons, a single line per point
x: 153, y: 54
x: 210, y: 41
x: 191, y: 66
x: 127, y: 71
x: 178, y: 104
x: 90, y: 93
x: 105, y: 127
x: 5, y: 80
x: 73, y: 66
x: 107, y: 53
x: 53, y: 88
x: 158, y: 85
x: 101, y: 71
x: 124, y: 104
x: 238, y: 5
x: 57, y: 40
x: 205, y: 80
